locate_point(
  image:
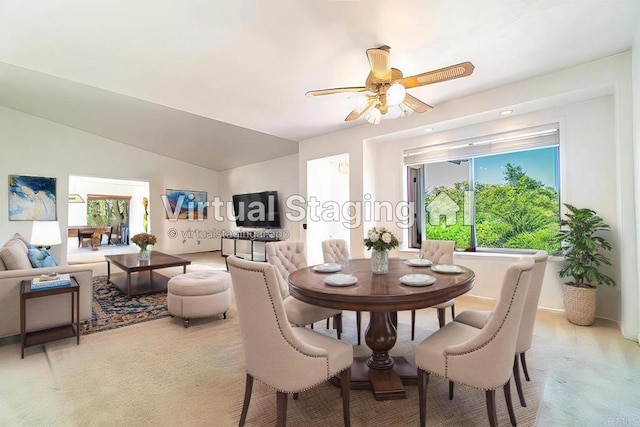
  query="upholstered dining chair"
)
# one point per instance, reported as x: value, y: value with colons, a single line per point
x: 288, y: 359
x: 288, y: 257
x: 479, y: 319
x: 438, y: 252
x: 337, y: 251
x: 480, y: 358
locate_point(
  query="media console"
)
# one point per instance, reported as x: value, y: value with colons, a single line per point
x: 251, y: 237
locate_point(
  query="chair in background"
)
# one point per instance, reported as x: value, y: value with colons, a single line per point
x: 479, y: 319
x: 288, y: 359
x: 337, y: 251
x: 288, y: 257
x: 87, y: 233
x: 438, y: 252
x: 478, y: 358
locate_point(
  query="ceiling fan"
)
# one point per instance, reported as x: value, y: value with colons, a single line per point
x: 386, y: 87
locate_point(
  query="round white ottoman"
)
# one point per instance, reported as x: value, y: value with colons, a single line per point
x: 198, y: 294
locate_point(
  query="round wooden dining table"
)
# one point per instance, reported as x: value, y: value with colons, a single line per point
x: 383, y: 295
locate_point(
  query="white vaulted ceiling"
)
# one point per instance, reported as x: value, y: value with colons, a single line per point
x: 190, y: 79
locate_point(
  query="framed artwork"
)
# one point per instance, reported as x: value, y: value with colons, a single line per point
x: 186, y: 201
x: 32, y: 198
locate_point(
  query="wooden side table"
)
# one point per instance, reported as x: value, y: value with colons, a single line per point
x: 28, y: 339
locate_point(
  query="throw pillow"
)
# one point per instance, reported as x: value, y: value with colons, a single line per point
x: 40, y: 258
x: 14, y: 255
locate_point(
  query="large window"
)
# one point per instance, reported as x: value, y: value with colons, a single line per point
x: 501, y: 194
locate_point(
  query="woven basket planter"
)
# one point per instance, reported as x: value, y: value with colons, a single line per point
x: 580, y: 305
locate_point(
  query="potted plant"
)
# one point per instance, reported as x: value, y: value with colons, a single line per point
x: 582, y: 245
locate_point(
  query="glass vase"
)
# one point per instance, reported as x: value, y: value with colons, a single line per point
x: 380, y: 262
x: 144, y: 254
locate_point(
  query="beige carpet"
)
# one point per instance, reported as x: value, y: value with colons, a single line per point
x: 159, y: 373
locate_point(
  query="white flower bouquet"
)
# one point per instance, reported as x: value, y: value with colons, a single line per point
x: 381, y: 239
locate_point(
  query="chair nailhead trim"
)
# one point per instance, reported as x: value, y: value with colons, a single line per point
x: 285, y: 338
x: 446, y: 358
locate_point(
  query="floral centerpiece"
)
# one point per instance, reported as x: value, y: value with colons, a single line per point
x: 143, y: 240
x: 380, y: 240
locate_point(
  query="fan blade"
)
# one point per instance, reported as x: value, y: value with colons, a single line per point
x: 416, y: 105
x: 443, y: 74
x: 357, y: 112
x: 336, y: 90
x: 379, y: 61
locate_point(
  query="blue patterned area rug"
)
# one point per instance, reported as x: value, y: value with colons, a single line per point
x: 112, y: 309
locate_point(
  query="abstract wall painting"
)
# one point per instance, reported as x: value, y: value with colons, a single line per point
x: 32, y: 198
x: 186, y: 204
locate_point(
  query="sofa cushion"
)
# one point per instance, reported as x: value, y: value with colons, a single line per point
x: 14, y: 255
x: 40, y: 258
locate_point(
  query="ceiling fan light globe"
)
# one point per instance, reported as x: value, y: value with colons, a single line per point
x: 396, y: 111
x: 374, y: 116
x: 395, y: 94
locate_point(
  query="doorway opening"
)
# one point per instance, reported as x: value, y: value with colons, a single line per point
x: 327, y: 197
x: 103, y: 214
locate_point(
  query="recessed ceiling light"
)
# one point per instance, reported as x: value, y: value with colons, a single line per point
x: 506, y: 112
x: 428, y: 129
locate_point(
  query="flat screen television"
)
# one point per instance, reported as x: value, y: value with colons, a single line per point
x: 257, y: 210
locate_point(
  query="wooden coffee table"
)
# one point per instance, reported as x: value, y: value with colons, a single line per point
x: 141, y: 284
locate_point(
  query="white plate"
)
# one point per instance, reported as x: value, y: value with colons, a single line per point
x: 446, y: 268
x: 419, y: 262
x: 340, y: 280
x: 417, y: 279
x: 326, y: 268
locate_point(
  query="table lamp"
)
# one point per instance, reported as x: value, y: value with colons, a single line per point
x: 45, y: 234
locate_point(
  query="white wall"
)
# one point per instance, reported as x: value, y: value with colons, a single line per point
x: 631, y: 295
x: 279, y: 174
x: 597, y: 164
x: 33, y: 146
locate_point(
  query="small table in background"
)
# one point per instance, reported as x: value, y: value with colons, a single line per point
x: 28, y: 339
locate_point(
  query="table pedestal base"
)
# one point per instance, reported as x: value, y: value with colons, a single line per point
x: 385, y: 384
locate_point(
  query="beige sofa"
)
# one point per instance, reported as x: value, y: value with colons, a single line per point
x: 41, y: 312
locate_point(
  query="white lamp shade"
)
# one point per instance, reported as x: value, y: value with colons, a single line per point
x: 396, y: 94
x: 45, y: 233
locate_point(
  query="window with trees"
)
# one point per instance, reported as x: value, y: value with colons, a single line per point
x: 501, y: 194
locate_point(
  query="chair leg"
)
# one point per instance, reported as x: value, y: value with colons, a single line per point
x: 312, y: 326
x: 516, y: 377
x: 523, y: 360
x: 247, y: 398
x: 358, y: 324
x: 423, y: 381
x: 507, y: 397
x: 450, y: 390
x: 413, y: 325
x: 337, y: 323
x: 453, y: 311
x: 281, y: 420
x: 441, y: 316
x: 491, y: 407
x: 345, y: 388
x: 327, y: 323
